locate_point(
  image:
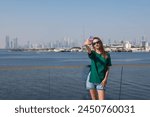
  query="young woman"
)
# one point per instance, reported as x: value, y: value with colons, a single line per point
x: 100, y: 62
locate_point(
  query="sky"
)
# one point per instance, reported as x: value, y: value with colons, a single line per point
x: 43, y: 21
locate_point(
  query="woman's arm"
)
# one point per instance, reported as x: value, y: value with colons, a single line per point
x: 86, y: 44
x: 104, y: 82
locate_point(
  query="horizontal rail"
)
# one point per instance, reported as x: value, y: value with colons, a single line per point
x: 37, y: 67
x: 65, y: 67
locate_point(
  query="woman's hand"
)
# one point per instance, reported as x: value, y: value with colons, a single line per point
x: 87, y: 42
x: 104, y: 82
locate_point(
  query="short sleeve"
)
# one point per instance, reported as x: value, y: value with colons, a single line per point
x: 109, y: 60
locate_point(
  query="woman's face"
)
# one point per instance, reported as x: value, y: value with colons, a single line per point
x: 96, y: 44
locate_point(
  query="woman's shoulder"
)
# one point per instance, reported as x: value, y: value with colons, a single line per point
x: 93, y: 52
x: 108, y: 53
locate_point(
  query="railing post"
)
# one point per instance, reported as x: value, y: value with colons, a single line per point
x: 120, y: 83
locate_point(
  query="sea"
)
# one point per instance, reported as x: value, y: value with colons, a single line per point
x: 37, y: 75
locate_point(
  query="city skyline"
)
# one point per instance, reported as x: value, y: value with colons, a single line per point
x: 44, y: 21
x: 13, y: 43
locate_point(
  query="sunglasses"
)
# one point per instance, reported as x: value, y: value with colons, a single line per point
x: 98, y: 42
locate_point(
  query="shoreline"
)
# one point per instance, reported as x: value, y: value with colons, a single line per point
x: 74, y: 49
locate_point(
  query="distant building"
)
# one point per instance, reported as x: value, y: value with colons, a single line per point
x: 11, y: 44
x: 126, y: 45
x: 76, y: 49
x: 7, y: 42
x: 15, y: 43
x: 145, y: 45
x: 28, y: 44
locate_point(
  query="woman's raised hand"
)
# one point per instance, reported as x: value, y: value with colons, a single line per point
x: 87, y: 42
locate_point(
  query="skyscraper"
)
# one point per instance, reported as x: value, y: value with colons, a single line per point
x: 15, y: 43
x: 7, y: 43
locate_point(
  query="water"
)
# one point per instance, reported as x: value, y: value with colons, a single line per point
x: 49, y: 75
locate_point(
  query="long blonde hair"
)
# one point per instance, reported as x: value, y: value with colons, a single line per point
x: 102, y: 50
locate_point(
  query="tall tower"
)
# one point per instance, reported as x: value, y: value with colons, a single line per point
x: 143, y: 38
x: 15, y: 43
x: 7, y: 43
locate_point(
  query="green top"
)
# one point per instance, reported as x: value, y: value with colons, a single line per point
x: 99, y: 66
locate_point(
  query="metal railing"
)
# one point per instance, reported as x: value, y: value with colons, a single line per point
x: 130, y: 81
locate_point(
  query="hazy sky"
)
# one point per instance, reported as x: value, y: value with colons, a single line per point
x: 42, y: 21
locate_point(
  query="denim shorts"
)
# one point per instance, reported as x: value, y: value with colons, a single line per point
x: 96, y: 86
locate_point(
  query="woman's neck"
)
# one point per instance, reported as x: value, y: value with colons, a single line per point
x: 98, y: 51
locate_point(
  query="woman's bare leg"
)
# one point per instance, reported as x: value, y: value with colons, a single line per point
x: 101, y: 94
x: 93, y: 94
